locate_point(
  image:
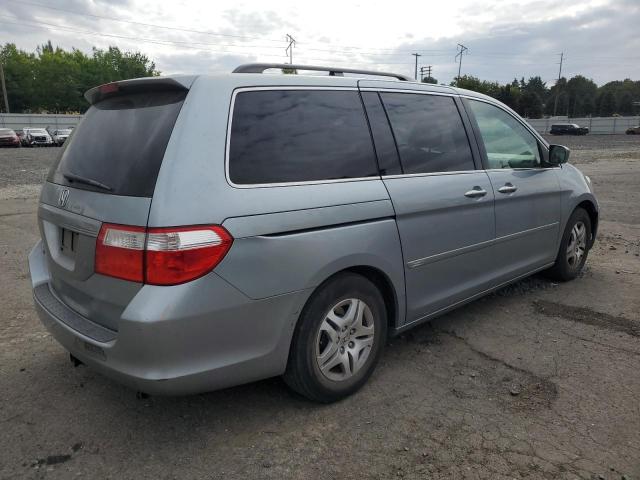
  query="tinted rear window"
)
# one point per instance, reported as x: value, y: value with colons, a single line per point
x: 120, y: 143
x: 429, y: 133
x: 282, y: 136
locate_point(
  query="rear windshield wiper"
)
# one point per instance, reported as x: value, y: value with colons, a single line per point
x: 87, y: 181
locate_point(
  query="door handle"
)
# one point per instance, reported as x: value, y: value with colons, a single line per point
x: 475, y: 193
x: 508, y: 188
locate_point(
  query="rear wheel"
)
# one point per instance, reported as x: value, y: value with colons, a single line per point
x: 574, y: 247
x: 338, y: 340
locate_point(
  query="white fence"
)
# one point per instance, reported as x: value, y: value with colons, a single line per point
x: 17, y: 121
x: 597, y: 125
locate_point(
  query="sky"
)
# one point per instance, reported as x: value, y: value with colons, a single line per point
x: 600, y: 39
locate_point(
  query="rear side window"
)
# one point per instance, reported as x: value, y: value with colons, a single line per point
x: 282, y: 136
x: 120, y: 144
x: 429, y: 133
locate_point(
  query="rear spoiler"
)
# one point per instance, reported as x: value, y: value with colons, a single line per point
x: 136, y: 85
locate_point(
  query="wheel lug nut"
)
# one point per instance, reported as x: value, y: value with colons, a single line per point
x: 341, y: 349
x: 351, y: 344
x: 353, y: 330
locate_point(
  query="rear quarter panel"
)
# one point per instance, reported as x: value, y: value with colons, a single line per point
x: 287, y: 238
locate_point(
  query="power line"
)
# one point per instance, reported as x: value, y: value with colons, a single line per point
x: 205, y: 32
x: 182, y: 44
x: 131, y: 22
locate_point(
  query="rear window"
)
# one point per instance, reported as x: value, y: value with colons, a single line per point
x: 280, y: 136
x: 120, y: 144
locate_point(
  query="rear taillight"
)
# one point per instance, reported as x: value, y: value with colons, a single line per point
x: 120, y: 252
x: 178, y: 255
x: 160, y: 256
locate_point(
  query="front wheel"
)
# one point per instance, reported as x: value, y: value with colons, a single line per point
x: 338, y: 340
x: 574, y: 247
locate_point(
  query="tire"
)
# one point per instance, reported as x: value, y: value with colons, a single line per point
x: 569, y: 261
x: 319, y: 339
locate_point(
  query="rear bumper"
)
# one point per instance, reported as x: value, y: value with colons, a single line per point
x: 191, y: 338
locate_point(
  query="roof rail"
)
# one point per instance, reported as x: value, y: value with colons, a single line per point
x: 333, y: 71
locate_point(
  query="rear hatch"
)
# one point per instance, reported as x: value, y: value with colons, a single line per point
x: 106, y: 173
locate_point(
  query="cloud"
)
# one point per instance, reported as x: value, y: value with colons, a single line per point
x: 601, y: 43
x: 505, y: 39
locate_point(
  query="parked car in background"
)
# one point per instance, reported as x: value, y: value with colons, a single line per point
x: 568, y: 129
x: 245, y: 226
x: 633, y: 130
x: 22, y: 136
x: 9, y: 138
x: 37, y: 137
x: 59, y: 136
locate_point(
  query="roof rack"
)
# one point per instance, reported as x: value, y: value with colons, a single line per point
x: 333, y: 71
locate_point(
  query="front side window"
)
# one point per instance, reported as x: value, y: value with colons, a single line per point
x: 280, y: 136
x: 429, y: 133
x: 507, y: 142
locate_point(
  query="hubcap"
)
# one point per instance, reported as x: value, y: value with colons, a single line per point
x: 577, y: 244
x: 344, y: 340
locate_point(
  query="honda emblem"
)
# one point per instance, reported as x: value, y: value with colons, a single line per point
x: 63, y: 197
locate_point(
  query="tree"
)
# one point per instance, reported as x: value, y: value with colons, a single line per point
x: 530, y: 105
x: 606, y: 104
x: 580, y: 93
x: 429, y: 80
x: 625, y: 104
x: 54, y: 80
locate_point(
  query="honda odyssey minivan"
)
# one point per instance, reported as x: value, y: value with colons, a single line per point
x: 200, y: 232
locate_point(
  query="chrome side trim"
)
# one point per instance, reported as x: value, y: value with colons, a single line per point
x: 470, y: 299
x: 281, y: 184
x: 430, y: 174
x: 476, y: 246
x: 489, y: 170
x: 406, y: 90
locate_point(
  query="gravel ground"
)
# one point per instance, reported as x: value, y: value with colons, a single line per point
x: 538, y: 381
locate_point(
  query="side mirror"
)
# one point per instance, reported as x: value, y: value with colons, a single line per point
x: 558, y: 154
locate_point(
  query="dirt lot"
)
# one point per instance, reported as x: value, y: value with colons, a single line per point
x: 538, y: 381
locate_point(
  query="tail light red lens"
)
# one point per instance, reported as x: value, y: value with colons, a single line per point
x: 178, y: 255
x: 120, y: 252
x: 160, y: 256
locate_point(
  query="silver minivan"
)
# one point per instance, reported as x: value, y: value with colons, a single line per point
x: 200, y: 232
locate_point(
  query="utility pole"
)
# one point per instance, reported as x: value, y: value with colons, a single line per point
x: 416, y: 71
x: 426, y: 69
x: 459, y: 54
x: 289, y: 49
x: 4, y: 90
x: 555, y: 103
